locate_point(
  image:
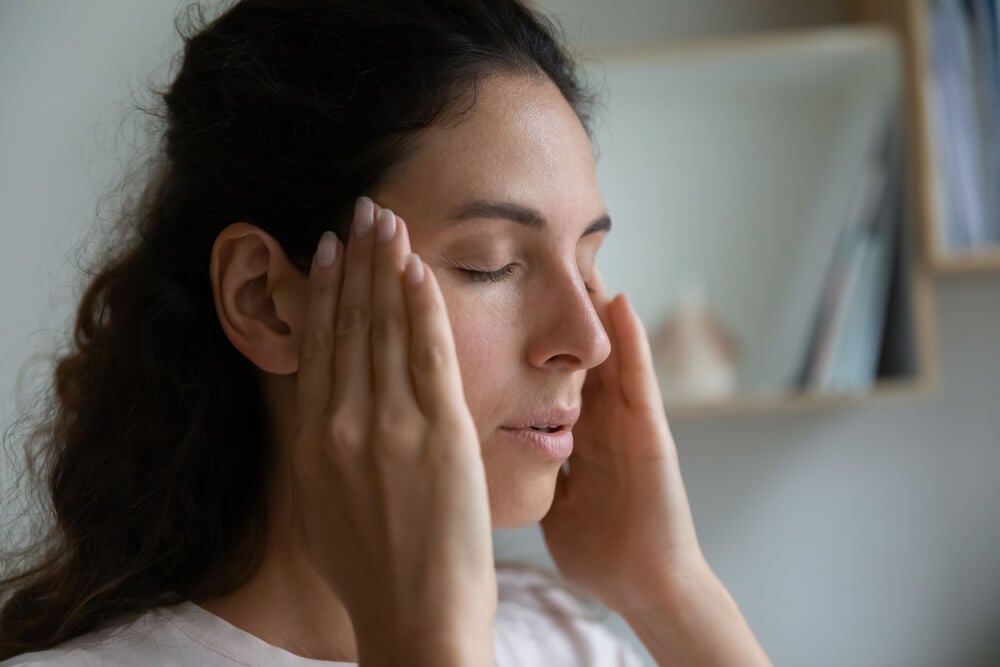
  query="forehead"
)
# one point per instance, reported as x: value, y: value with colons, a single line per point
x: 520, y: 142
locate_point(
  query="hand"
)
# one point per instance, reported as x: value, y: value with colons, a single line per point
x: 388, y: 474
x: 620, y: 526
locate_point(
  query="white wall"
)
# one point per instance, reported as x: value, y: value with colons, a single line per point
x: 66, y: 69
x: 859, y: 537
x: 866, y: 536
x: 601, y: 23
x: 69, y: 72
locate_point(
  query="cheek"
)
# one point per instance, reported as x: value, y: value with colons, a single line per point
x: 487, y: 346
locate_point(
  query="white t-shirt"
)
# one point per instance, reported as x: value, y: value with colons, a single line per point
x: 537, y: 625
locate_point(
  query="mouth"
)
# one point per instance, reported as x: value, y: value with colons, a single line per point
x: 548, y: 420
x: 548, y: 429
x: 553, y: 442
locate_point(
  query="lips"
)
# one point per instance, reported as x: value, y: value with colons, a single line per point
x: 551, y: 420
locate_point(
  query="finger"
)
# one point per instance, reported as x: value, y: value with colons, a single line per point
x: 434, y: 368
x: 562, y: 498
x: 607, y: 371
x: 635, y: 357
x: 599, y: 293
x: 390, y: 335
x: 352, y: 346
x: 563, y: 479
x: 316, y: 343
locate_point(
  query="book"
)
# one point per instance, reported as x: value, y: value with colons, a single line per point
x: 860, y: 360
x: 856, y: 182
x: 846, y: 281
x: 847, y: 339
x: 963, y: 83
x: 987, y: 96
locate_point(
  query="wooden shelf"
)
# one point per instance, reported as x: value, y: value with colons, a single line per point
x: 792, y: 42
x: 909, y: 18
x: 979, y: 261
x: 815, y: 70
x: 792, y: 402
x: 868, y: 18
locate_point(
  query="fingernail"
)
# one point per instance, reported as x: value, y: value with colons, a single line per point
x: 385, y: 225
x: 326, y: 252
x: 414, y: 269
x: 364, y: 213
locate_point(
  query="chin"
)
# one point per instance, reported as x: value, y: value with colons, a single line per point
x: 520, y: 495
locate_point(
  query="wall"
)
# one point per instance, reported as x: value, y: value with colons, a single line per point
x: 69, y: 73
x: 595, y: 24
x: 862, y: 536
x: 858, y: 537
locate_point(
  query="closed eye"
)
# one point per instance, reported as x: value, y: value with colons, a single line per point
x: 489, y: 276
x: 502, y: 274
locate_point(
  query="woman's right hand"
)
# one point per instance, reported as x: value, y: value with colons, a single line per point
x: 388, y: 473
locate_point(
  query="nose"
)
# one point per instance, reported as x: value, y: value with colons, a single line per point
x: 567, y: 332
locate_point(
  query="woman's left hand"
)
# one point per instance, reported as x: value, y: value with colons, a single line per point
x: 620, y: 526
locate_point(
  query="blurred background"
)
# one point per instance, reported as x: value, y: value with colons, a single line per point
x: 806, y: 216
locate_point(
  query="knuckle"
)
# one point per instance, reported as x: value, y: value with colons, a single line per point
x: 430, y: 308
x: 397, y: 435
x: 344, y: 431
x: 429, y: 358
x: 387, y: 328
x: 390, y: 423
x: 316, y: 342
x: 352, y: 320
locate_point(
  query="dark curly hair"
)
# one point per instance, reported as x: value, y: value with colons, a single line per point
x: 153, y: 447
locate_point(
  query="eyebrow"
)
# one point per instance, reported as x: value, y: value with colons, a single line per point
x: 481, y: 208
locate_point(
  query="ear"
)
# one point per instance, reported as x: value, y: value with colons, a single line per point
x: 259, y: 296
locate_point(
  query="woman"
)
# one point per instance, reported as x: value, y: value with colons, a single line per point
x: 266, y: 451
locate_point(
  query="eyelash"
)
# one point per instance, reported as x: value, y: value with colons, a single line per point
x: 491, y: 276
x: 499, y: 275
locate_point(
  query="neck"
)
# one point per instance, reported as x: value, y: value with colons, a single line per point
x: 285, y: 602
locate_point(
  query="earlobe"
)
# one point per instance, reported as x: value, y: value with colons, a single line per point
x: 258, y: 296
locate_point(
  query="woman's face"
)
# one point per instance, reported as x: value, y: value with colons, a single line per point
x: 526, y: 334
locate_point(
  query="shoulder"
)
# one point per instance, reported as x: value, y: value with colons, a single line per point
x: 129, y: 642
x: 172, y: 636
x: 541, y: 622
x: 57, y: 657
